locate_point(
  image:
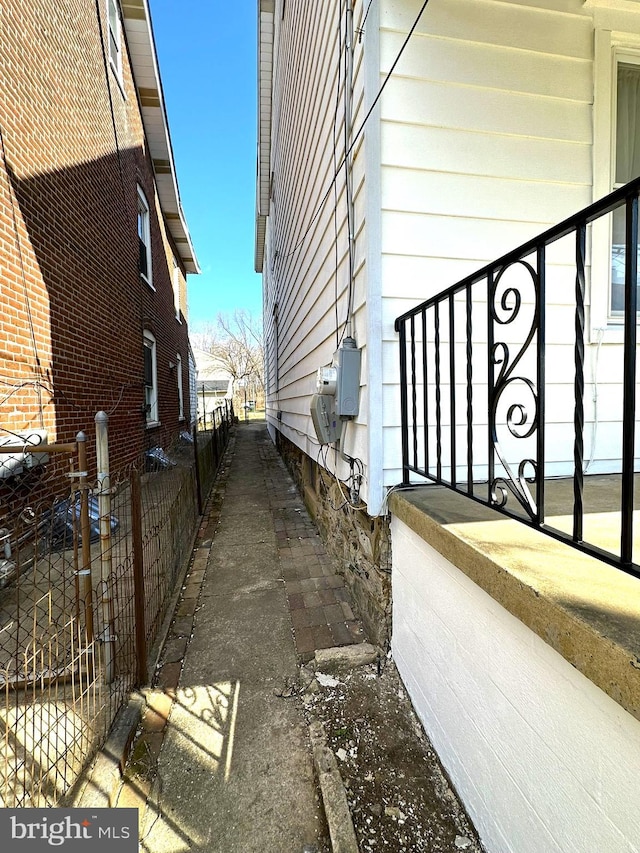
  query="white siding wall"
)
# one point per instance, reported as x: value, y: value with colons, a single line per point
x: 486, y: 141
x: 305, y: 266
x: 483, y: 138
x: 544, y: 761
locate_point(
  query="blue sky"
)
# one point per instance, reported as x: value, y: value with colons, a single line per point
x: 207, y: 56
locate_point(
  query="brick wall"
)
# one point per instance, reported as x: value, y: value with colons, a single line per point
x: 73, y: 304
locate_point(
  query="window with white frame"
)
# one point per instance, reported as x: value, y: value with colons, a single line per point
x: 625, y: 163
x: 180, y: 392
x: 144, y: 238
x: 115, y: 37
x: 616, y: 160
x: 176, y: 288
x: 150, y: 378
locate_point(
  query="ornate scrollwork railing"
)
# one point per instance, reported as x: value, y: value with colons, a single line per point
x: 521, y: 420
x: 473, y: 389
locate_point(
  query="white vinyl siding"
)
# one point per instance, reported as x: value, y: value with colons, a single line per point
x: 486, y: 138
x: 486, y: 141
x: 302, y: 273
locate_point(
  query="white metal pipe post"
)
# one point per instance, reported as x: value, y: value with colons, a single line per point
x: 107, y: 633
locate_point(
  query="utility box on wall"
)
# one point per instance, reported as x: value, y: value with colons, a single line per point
x: 348, y: 379
x: 326, y: 423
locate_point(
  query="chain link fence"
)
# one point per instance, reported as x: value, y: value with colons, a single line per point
x: 87, y: 572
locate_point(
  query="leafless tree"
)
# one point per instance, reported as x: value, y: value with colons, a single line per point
x: 237, y: 344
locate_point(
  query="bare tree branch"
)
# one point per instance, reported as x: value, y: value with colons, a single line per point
x: 236, y: 342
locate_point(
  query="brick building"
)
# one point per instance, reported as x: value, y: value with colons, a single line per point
x: 94, y: 247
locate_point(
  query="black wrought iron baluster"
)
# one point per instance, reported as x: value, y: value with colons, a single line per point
x: 578, y: 386
x: 469, y: 330
x: 414, y: 408
x: 452, y: 387
x: 507, y: 374
x: 490, y: 387
x: 425, y: 399
x: 438, y: 393
x: 541, y: 374
x: 629, y: 389
x: 404, y: 426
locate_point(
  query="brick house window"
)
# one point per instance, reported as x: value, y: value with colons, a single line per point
x: 144, y: 238
x: 180, y: 391
x: 176, y: 288
x: 150, y: 379
x: 115, y: 37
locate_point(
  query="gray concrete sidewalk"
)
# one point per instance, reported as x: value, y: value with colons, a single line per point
x: 223, y: 762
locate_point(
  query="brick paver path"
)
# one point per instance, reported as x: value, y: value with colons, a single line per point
x: 320, y: 604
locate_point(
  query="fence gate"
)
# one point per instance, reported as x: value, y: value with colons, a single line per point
x: 47, y: 649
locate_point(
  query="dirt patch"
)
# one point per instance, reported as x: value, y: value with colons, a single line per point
x: 398, y: 793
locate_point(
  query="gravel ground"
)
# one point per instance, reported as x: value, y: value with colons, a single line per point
x: 400, y: 798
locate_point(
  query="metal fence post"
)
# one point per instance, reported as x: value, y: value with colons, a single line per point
x: 138, y: 578
x: 197, y: 469
x: 84, y: 573
x: 104, y: 507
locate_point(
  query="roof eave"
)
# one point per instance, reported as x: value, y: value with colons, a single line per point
x: 146, y: 75
x: 265, y: 77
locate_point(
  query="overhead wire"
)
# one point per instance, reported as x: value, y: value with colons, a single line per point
x: 360, y: 29
x: 324, y: 464
x: 335, y: 169
x: 111, y: 108
x: 348, y: 172
x: 125, y: 196
x: 349, y: 145
x: 355, y: 137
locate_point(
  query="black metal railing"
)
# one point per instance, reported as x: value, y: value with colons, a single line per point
x: 488, y: 405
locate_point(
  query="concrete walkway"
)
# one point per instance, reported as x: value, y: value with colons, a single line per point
x: 224, y: 762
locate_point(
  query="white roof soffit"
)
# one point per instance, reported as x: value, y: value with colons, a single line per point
x: 265, y: 75
x: 144, y: 62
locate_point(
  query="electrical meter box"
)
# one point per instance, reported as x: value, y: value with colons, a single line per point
x: 326, y: 380
x: 326, y: 423
x: 13, y: 464
x: 347, y: 361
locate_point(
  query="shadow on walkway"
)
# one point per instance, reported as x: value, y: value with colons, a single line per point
x: 223, y: 760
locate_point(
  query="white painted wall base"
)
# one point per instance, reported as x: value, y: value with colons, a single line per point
x: 544, y: 761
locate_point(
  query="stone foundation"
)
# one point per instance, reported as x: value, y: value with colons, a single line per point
x: 359, y: 543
